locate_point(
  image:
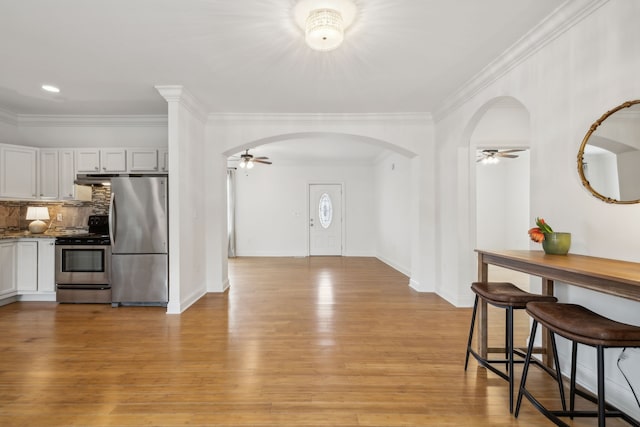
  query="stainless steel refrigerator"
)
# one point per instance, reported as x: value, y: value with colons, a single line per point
x: 139, y: 241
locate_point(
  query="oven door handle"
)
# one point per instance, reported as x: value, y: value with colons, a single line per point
x: 113, y: 222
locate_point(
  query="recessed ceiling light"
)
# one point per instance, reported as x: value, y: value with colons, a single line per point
x: 50, y: 88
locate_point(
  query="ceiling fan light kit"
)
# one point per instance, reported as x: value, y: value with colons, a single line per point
x: 248, y: 161
x: 324, y: 22
x: 492, y: 156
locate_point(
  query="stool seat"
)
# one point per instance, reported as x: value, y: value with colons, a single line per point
x: 582, y: 325
x: 507, y: 294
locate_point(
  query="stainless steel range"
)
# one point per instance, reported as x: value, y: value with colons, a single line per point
x: 83, y: 264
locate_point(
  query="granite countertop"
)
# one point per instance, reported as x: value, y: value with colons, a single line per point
x: 27, y: 235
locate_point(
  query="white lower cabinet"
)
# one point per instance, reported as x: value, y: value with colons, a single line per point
x: 7, y: 269
x: 27, y: 270
x: 27, y: 266
x: 46, y: 265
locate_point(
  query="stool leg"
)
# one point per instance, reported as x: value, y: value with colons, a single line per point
x: 507, y: 324
x: 473, y: 322
x: 572, y: 389
x: 509, y: 327
x: 525, y: 369
x: 556, y: 361
x: 601, y: 400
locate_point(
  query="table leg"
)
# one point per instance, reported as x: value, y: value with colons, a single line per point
x: 547, y: 357
x: 481, y: 345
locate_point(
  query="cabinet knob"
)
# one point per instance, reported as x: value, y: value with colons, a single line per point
x: 104, y: 168
x: 97, y: 168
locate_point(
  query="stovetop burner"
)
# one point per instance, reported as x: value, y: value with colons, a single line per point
x: 98, y: 233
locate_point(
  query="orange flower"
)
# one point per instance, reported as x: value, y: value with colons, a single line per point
x: 536, y: 234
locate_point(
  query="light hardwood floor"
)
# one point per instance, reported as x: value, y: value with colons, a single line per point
x: 324, y: 341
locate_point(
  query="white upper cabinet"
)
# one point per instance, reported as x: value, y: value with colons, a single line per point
x: 18, y: 172
x: 164, y: 159
x: 49, y: 170
x: 57, y: 174
x: 88, y: 160
x: 143, y: 160
x: 108, y: 160
x: 113, y: 160
x: 67, y: 174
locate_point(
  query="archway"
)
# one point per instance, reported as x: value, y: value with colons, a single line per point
x: 279, y: 226
x: 498, y: 194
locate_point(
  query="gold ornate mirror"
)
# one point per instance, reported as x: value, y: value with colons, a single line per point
x: 609, y: 157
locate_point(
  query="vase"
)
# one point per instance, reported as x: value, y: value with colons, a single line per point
x: 556, y: 243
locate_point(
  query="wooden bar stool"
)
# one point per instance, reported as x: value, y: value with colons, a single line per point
x: 581, y: 326
x: 510, y: 297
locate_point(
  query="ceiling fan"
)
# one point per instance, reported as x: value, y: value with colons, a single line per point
x: 492, y: 156
x: 248, y: 160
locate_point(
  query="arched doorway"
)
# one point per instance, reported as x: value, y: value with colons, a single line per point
x: 272, y: 213
x: 500, y: 140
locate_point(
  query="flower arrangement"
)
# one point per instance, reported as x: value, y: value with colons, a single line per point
x: 537, y: 233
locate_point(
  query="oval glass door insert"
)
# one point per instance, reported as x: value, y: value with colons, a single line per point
x: 325, y: 210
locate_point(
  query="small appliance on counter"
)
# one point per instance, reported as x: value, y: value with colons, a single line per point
x: 83, y: 264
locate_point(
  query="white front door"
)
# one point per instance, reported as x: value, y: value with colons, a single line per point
x: 325, y: 219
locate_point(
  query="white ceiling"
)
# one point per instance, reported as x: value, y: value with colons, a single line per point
x: 247, y: 55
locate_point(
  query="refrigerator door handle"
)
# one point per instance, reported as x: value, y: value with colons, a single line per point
x: 112, y: 218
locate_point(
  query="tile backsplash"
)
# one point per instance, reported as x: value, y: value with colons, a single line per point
x: 74, y: 214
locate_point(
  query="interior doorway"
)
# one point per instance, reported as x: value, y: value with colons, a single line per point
x: 500, y: 143
x: 325, y: 219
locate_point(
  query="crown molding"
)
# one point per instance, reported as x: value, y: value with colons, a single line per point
x: 315, y: 117
x: 557, y: 23
x: 8, y: 117
x: 37, y: 120
x: 179, y: 94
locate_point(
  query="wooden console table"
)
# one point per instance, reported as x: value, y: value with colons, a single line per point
x: 613, y: 277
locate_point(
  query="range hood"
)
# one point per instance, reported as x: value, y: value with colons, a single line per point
x: 88, y: 179
x: 105, y: 179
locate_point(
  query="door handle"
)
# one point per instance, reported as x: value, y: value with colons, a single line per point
x: 112, y: 218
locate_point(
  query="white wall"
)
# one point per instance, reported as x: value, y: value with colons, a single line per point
x: 8, y: 128
x: 87, y: 131
x: 565, y: 89
x: 502, y: 203
x: 187, y: 214
x: 272, y: 213
x: 392, y: 207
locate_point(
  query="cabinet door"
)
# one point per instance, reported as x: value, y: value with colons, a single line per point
x: 164, y: 159
x: 46, y: 265
x: 88, y: 160
x: 143, y: 160
x: 113, y: 160
x: 49, y: 174
x: 7, y: 269
x: 27, y: 266
x: 67, y: 174
x: 18, y: 172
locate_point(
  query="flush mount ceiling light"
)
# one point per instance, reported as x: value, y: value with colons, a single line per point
x: 324, y: 21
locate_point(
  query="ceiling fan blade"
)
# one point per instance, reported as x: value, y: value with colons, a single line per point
x: 511, y: 156
x: 261, y: 158
x: 513, y: 150
x: 262, y: 161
